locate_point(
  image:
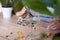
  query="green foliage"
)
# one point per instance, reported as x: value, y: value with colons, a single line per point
x: 58, y: 2
x: 57, y: 11
x: 6, y: 3
x: 36, y: 5
x: 40, y: 6
x: 17, y: 5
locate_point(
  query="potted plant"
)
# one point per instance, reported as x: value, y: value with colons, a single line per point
x: 6, y: 8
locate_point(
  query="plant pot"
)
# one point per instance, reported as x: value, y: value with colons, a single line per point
x: 7, y: 12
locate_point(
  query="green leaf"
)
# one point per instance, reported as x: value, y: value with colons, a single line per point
x: 6, y: 3
x: 58, y: 2
x: 17, y: 5
x: 48, y: 2
x: 39, y: 5
x: 57, y: 11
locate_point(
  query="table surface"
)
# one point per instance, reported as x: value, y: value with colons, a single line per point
x: 10, y: 30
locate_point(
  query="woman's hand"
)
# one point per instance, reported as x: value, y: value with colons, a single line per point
x: 55, y: 24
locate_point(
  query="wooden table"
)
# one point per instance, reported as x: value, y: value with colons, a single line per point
x: 10, y: 30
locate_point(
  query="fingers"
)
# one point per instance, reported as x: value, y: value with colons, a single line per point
x: 53, y: 25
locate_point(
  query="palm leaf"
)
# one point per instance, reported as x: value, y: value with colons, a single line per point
x: 39, y: 5
x: 57, y: 11
x: 17, y: 5
x: 6, y: 3
x: 57, y: 8
x: 58, y: 2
